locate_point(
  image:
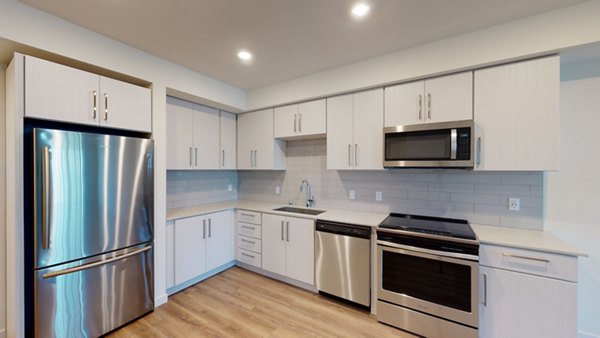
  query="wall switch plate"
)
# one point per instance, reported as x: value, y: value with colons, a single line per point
x: 378, y: 196
x: 514, y: 204
x: 229, y: 187
x: 277, y: 190
x: 352, y: 194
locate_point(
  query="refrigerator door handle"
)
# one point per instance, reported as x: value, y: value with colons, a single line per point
x: 45, y: 198
x: 94, y: 264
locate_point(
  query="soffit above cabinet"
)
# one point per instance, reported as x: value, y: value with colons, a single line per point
x: 205, y: 35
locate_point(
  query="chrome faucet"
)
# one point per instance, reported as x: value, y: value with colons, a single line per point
x: 309, y: 196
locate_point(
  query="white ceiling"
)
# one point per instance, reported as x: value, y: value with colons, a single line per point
x: 289, y: 38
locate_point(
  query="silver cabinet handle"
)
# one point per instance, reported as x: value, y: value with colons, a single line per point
x: 190, y: 156
x: 543, y: 260
x: 287, y: 230
x: 223, y: 152
x: 349, y: 155
x: 247, y: 255
x: 247, y: 241
x: 420, y: 107
x: 247, y: 227
x: 356, y: 154
x: 478, y: 160
x: 255, y: 151
x: 429, y: 106
x: 295, y: 122
x: 196, y: 156
x: 95, y: 110
x: 45, y: 197
x: 203, y: 229
x: 484, y: 289
x: 282, y: 230
x: 251, y: 162
x: 300, y: 123
x: 209, y: 228
x: 105, y: 107
x: 247, y: 215
x: 93, y: 264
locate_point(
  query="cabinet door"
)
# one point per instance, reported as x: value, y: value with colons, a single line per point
x: 220, y: 239
x: 368, y: 130
x: 285, y: 121
x: 264, y: 151
x: 206, y: 137
x: 125, y: 106
x: 449, y: 98
x: 246, y: 130
x: 60, y: 93
x: 170, y: 254
x: 179, y: 134
x: 340, y: 140
x: 190, y: 248
x: 405, y: 104
x: 522, y: 305
x: 517, y: 116
x: 312, y: 118
x: 300, y: 259
x: 273, y: 242
x: 228, y: 140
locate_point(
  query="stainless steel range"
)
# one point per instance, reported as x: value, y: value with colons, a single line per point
x: 428, y: 271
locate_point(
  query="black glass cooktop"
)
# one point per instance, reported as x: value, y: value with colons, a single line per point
x: 445, y: 227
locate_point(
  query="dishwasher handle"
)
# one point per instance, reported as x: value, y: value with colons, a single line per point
x: 344, y: 229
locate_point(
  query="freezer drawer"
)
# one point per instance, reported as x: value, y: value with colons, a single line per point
x: 108, y: 292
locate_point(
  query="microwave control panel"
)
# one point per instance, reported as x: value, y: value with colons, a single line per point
x: 463, y: 147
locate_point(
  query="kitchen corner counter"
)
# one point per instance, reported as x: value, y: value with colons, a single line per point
x: 524, y: 239
x: 343, y: 216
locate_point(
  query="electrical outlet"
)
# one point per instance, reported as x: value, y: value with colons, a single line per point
x: 229, y: 187
x: 277, y: 190
x: 378, y: 196
x: 514, y: 204
x: 352, y: 194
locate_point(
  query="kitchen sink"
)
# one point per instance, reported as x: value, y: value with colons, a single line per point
x: 300, y: 210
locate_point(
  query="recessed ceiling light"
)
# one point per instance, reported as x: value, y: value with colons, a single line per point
x: 360, y: 9
x: 245, y: 55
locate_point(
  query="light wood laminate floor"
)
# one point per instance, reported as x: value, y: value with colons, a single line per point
x: 240, y: 303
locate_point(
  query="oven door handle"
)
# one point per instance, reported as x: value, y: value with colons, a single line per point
x: 428, y: 253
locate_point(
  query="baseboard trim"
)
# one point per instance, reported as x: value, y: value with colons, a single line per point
x: 278, y: 277
x: 583, y: 334
x: 200, y: 278
x: 160, y: 300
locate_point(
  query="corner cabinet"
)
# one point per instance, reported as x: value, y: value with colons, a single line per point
x: 306, y: 119
x: 440, y: 99
x: 527, y: 293
x: 60, y: 93
x: 228, y: 137
x: 516, y: 114
x: 256, y: 146
x: 288, y: 246
x: 355, y: 131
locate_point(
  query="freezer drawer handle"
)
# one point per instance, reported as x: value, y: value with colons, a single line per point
x: 93, y: 264
x: 45, y: 198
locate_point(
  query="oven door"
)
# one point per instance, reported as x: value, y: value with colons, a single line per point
x: 438, y: 285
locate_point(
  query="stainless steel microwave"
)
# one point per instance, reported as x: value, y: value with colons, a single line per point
x: 430, y: 145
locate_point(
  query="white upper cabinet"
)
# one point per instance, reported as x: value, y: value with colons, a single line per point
x: 307, y: 119
x: 440, y: 99
x: 228, y: 135
x: 516, y: 114
x: 199, y: 137
x: 355, y: 131
x: 61, y: 93
x: 257, y: 149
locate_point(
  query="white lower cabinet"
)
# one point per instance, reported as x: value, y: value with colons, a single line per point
x: 199, y: 245
x: 520, y: 303
x: 288, y: 247
x: 249, y: 234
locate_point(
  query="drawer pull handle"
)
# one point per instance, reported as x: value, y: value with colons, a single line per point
x: 543, y: 260
x: 245, y: 254
x: 247, y: 215
x: 247, y: 227
x: 247, y: 241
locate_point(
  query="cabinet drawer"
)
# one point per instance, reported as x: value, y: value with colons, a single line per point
x: 248, y: 257
x: 248, y: 216
x: 248, y: 229
x: 529, y: 261
x: 248, y: 243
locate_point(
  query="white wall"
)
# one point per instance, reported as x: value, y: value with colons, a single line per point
x: 541, y: 34
x: 573, y: 193
x: 2, y: 206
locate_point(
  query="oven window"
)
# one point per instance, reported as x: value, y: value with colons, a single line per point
x: 437, y: 282
x: 419, y: 145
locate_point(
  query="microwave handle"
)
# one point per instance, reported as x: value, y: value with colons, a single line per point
x: 453, y: 141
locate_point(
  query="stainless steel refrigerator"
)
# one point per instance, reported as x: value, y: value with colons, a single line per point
x: 91, y: 232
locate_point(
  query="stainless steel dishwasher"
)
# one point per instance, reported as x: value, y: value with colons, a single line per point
x: 343, y: 261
